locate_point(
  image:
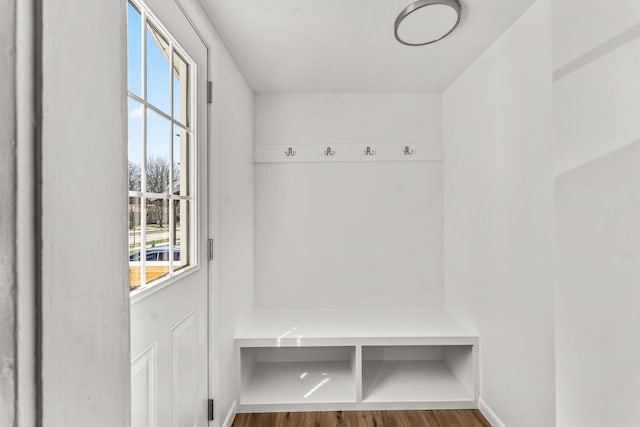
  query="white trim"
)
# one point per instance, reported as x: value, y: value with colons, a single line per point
x: 231, y: 415
x: 26, y: 230
x: 141, y: 293
x: 357, y: 406
x: 167, y: 196
x: 490, y: 415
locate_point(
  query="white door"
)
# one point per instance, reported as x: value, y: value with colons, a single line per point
x: 167, y: 86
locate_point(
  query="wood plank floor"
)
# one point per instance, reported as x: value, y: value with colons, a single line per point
x: 456, y: 418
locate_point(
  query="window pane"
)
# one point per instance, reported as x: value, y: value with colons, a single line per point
x: 180, y: 161
x: 159, y: 152
x: 181, y: 234
x: 158, y: 75
x: 158, y: 137
x: 134, y: 50
x: 136, y: 110
x: 135, y: 240
x: 180, y: 89
x: 157, y: 242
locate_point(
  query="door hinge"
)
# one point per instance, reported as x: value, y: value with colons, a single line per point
x: 210, y: 409
x: 209, y: 92
x: 210, y: 249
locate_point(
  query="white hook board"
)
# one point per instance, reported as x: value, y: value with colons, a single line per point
x: 346, y: 152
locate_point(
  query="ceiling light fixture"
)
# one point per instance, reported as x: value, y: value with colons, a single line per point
x: 427, y: 21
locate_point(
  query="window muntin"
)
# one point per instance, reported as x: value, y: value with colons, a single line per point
x: 161, y: 131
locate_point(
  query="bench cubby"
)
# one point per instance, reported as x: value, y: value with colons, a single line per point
x: 356, y: 360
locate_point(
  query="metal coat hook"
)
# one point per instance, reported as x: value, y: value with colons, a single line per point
x: 369, y: 152
x: 290, y: 152
x: 329, y: 152
x: 407, y: 151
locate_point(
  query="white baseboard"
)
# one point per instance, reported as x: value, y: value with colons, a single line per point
x: 489, y: 414
x: 231, y: 415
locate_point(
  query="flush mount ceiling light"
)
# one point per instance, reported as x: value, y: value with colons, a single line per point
x: 427, y: 21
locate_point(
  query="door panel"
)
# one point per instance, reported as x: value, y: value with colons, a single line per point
x: 184, y: 384
x: 143, y: 380
x: 169, y: 329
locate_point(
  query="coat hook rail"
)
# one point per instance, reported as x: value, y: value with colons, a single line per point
x: 330, y: 151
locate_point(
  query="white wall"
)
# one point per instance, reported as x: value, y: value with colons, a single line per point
x: 233, y: 181
x: 597, y: 103
x: 597, y: 110
x: 339, y: 235
x: 598, y: 299
x: 85, y: 291
x: 593, y: 24
x: 498, y: 186
x: 7, y: 216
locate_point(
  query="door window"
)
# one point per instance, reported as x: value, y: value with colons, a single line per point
x: 161, y: 123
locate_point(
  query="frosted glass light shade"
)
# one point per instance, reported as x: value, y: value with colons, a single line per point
x: 427, y: 21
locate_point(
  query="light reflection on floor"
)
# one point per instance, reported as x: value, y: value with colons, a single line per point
x: 317, y: 386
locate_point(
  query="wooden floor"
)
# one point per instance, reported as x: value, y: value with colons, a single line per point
x: 457, y: 418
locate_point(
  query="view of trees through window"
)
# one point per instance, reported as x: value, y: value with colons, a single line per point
x: 159, y: 138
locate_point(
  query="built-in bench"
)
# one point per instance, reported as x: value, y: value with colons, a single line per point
x: 304, y: 360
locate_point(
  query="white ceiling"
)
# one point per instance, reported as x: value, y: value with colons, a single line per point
x: 348, y: 45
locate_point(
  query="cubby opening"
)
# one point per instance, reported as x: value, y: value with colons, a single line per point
x: 298, y: 375
x: 418, y: 373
